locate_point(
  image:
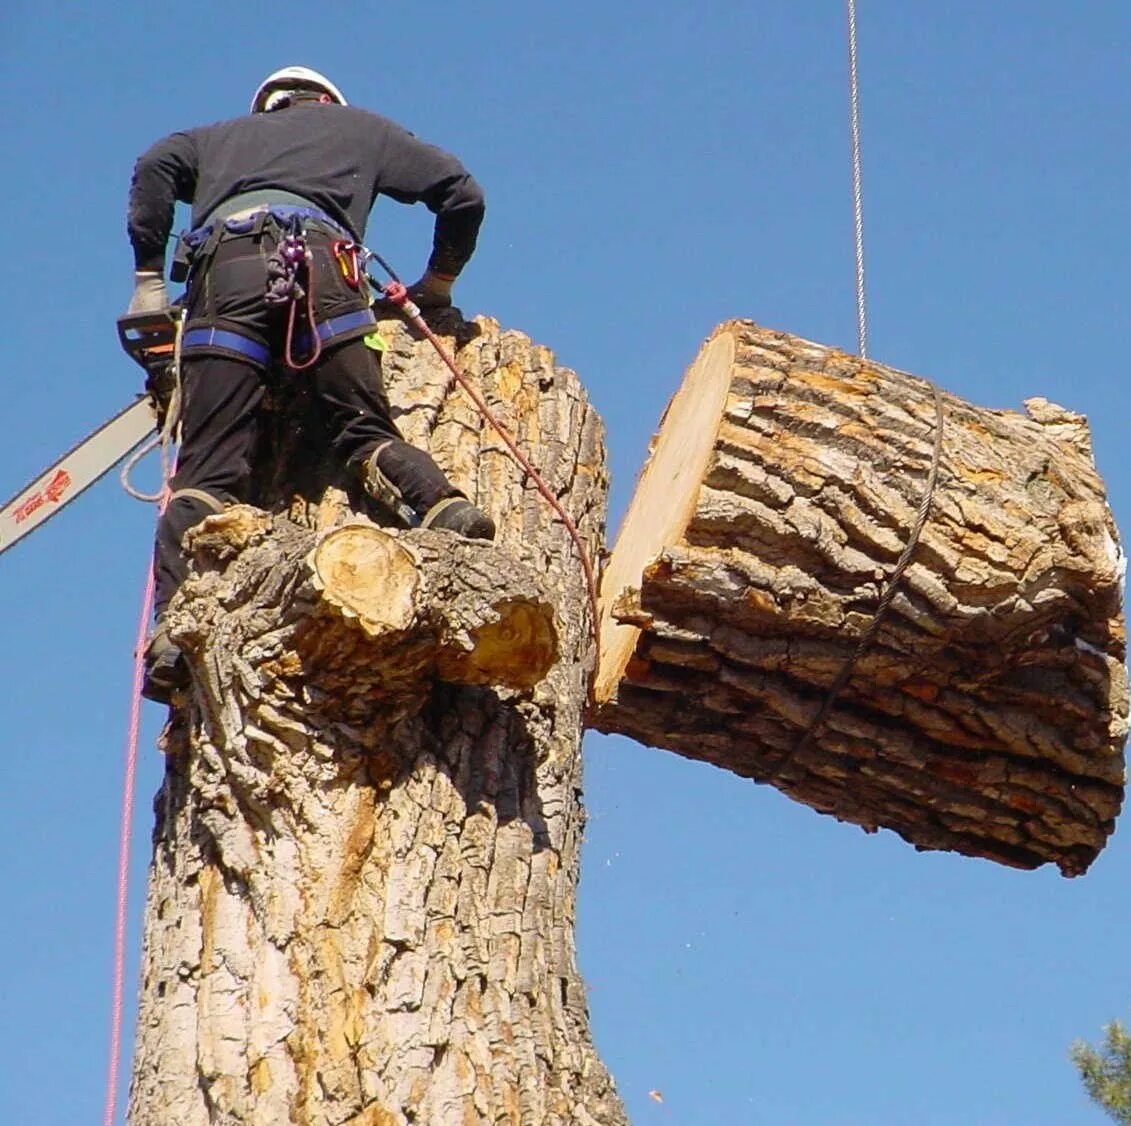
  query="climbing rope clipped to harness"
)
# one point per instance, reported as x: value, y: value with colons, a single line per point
x: 290, y: 281
x: 395, y: 292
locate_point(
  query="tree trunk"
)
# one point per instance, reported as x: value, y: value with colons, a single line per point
x: 362, y: 897
x: 988, y: 713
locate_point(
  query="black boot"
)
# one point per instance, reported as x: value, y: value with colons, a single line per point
x: 166, y: 671
x: 458, y: 514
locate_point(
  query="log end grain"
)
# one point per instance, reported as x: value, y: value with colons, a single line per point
x: 665, y: 497
x: 517, y: 649
x: 368, y: 575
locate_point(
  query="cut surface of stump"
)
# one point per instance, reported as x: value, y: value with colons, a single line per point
x: 988, y: 713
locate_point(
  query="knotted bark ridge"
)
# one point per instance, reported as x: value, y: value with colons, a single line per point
x: 362, y: 898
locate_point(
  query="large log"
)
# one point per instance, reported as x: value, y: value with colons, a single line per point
x: 362, y: 896
x: 988, y: 713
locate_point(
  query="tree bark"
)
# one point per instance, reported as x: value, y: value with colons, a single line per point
x: 362, y: 897
x: 989, y: 712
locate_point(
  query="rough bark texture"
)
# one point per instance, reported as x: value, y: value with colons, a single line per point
x: 361, y: 902
x: 989, y: 714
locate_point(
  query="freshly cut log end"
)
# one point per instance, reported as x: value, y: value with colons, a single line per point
x: 517, y: 648
x: 368, y: 575
x: 664, y: 501
x: 988, y: 713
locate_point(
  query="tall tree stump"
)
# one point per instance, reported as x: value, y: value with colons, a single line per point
x: 362, y: 897
x: 989, y: 712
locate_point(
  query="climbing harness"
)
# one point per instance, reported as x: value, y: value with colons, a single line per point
x: 290, y: 279
x: 396, y: 294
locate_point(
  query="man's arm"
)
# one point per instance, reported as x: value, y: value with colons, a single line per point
x: 413, y: 171
x: 163, y: 174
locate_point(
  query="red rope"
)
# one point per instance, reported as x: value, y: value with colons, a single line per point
x: 124, y: 857
x: 124, y: 829
x: 396, y: 293
x: 312, y: 328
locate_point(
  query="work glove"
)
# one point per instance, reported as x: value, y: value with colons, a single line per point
x: 150, y: 294
x: 433, y: 291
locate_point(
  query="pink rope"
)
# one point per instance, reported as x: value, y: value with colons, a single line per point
x: 396, y: 293
x: 124, y: 856
x: 527, y: 466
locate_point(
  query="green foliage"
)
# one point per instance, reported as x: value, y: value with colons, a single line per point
x: 1106, y: 1071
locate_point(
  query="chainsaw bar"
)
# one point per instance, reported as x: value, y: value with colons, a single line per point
x: 75, y: 472
x: 148, y: 338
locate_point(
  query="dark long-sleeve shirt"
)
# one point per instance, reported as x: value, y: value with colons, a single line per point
x: 338, y: 157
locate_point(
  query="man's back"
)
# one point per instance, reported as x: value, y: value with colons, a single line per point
x: 338, y: 157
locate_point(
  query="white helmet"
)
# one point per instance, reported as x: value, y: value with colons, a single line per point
x: 294, y: 78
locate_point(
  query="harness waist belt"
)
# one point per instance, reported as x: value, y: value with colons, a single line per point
x: 211, y: 337
x: 260, y: 200
x: 335, y: 326
x: 283, y: 212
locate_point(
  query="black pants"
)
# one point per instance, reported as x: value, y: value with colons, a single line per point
x: 223, y: 392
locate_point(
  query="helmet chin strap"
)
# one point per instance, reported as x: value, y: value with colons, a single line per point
x: 280, y: 99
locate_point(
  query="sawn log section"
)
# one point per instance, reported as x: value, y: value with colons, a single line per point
x: 988, y: 715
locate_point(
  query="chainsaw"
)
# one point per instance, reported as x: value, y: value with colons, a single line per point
x: 150, y: 340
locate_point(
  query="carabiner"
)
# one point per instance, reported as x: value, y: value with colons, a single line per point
x: 345, y: 254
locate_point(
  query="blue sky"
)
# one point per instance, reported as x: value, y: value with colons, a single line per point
x: 651, y: 170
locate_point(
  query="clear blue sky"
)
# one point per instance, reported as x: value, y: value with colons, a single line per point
x: 651, y: 170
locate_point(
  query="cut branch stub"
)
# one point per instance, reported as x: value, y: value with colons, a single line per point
x: 491, y: 625
x: 989, y: 713
x: 422, y: 603
x: 367, y: 575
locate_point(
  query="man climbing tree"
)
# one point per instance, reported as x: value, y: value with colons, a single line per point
x: 275, y: 272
